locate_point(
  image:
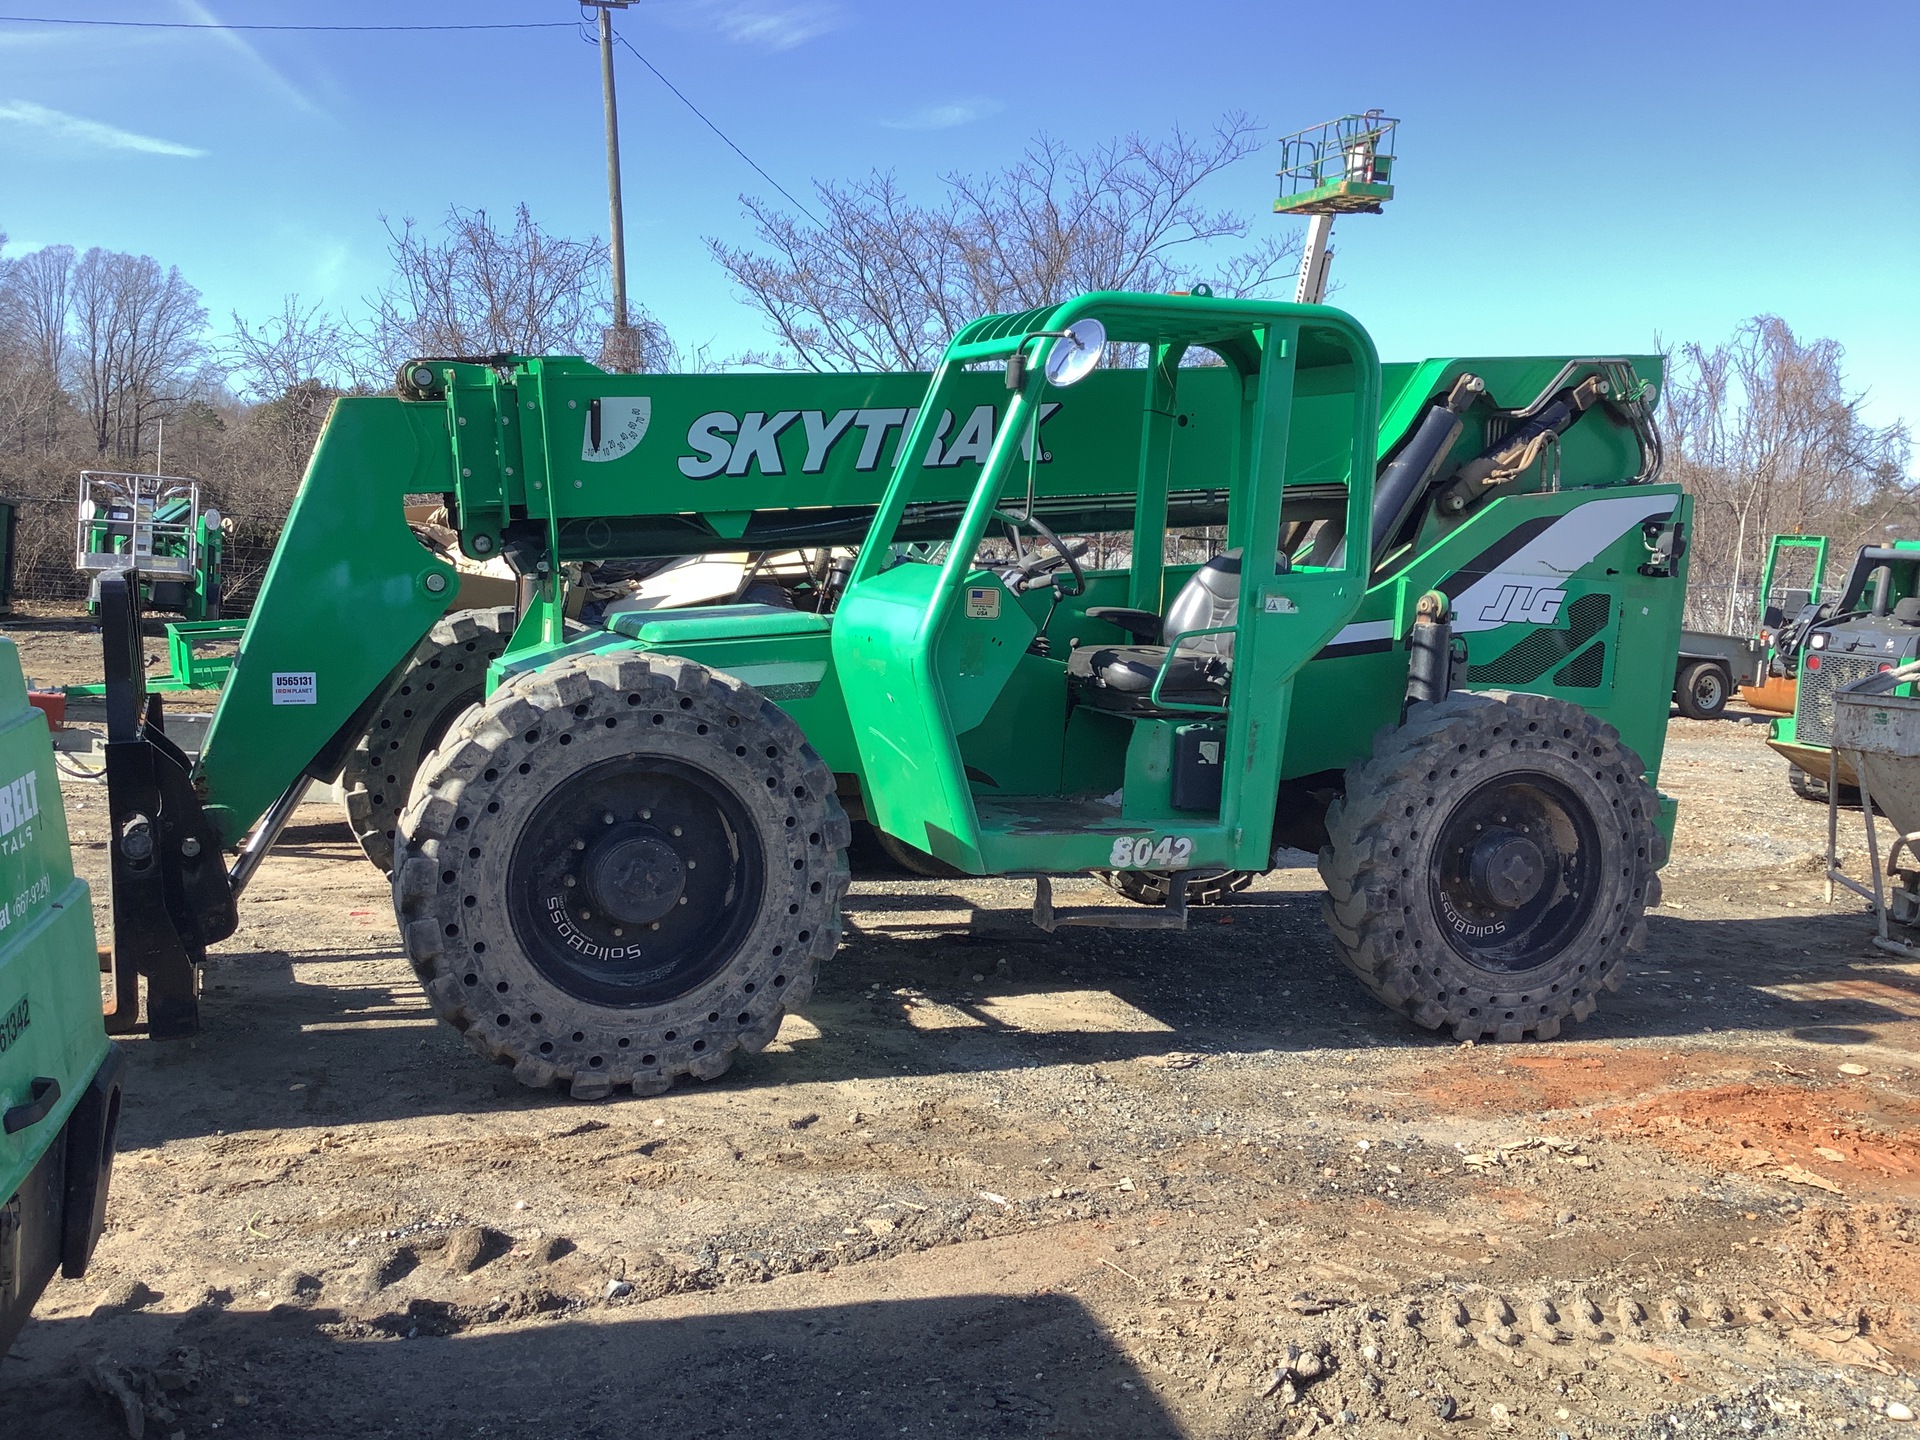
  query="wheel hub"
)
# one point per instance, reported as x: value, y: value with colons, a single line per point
x: 635, y: 880
x: 1516, y: 871
x: 1507, y: 870
x: 636, y: 877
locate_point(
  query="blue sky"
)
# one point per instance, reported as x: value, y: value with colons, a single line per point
x: 1571, y: 177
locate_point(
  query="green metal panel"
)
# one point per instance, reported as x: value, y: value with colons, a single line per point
x: 1517, y: 571
x: 50, y: 1023
x: 345, y: 599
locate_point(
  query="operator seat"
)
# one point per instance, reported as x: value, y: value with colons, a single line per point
x: 1120, y: 677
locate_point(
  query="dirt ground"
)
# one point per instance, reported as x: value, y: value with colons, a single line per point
x: 997, y: 1182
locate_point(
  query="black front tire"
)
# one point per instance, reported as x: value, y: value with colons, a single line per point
x: 552, y: 846
x: 1491, y: 865
x: 1702, y: 692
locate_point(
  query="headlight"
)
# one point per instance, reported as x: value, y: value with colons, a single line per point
x: 1819, y: 642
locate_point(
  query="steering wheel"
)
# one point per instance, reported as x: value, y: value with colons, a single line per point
x: 1042, y: 530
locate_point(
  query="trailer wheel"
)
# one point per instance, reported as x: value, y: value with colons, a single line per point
x: 620, y: 870
x: 1204, y: 887
x: 1491, y: 865
x: 442, y: 679
x: 1702, y: 691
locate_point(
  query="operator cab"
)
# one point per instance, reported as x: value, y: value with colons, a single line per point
x: 1044, y: 716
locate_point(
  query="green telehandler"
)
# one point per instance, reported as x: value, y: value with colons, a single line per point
x: 1431, y: 648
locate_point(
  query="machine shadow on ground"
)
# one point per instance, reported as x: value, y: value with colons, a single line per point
x: 966, y: 1366
x: 932, y: 984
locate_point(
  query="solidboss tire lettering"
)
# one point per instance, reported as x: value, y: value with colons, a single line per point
x: 583, y: 986
x: 1491, y: 865
x: 442, y: 679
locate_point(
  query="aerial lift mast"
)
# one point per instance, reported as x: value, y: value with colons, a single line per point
x: 1344, y: 167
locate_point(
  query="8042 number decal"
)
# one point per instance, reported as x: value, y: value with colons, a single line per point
x: 1143, y: 852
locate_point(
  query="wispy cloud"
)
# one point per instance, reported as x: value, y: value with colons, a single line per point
x: 250, y: 53
x: 769, y: 23
x: 94, y: 134
x: 945, y: 117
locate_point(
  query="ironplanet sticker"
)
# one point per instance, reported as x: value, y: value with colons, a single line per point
x: 300, y: 687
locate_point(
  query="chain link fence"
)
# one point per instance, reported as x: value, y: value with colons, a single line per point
x: 46, y: 533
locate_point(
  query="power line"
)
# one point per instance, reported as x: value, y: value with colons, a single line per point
x: 726, y: 139
x: 204, y: 25
x: 678, y: 94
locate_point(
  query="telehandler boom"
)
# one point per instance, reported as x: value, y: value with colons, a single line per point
x: 626, y: 864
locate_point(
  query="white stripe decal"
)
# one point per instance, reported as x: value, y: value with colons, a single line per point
x: 1530, y: 574
x: 1362, y: 631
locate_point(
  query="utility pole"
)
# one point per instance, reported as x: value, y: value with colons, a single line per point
x: 621, y: 350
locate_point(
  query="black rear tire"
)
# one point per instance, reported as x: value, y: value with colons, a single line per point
x: 1702, y: 691
x: 622, y: 869
x: 444, y: 677
x: 1814, y: 788
x: 1491, y: 865
x: 1204, y: 887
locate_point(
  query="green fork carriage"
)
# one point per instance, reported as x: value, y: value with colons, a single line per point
x: 1431, y: 647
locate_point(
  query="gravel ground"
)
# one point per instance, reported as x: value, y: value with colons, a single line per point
x: 997, y: 1182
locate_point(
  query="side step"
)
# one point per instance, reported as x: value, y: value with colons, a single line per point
x: 1171, y: 916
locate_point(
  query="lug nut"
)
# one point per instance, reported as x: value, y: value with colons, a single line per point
x: 676, y: 830
x: 607, y: 818
x: 579, y: 844
x: 569, y: 882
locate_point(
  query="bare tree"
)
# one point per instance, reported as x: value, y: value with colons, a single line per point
x: 34, y: 305
x: 292, y: 367
x: 302, y: 345
x: 1765, y: 434
x: 884, y: 282
x: 137, y: 345
x: 481, y: 289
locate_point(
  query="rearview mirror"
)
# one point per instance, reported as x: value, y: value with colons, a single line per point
x: 1075, y: 354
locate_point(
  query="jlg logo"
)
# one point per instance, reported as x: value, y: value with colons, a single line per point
x: 1524, y: 605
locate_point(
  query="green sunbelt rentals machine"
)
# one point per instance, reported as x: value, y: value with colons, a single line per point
x: 59, y: 1074
x: 1436, y: 647
x: 1872, y: 625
